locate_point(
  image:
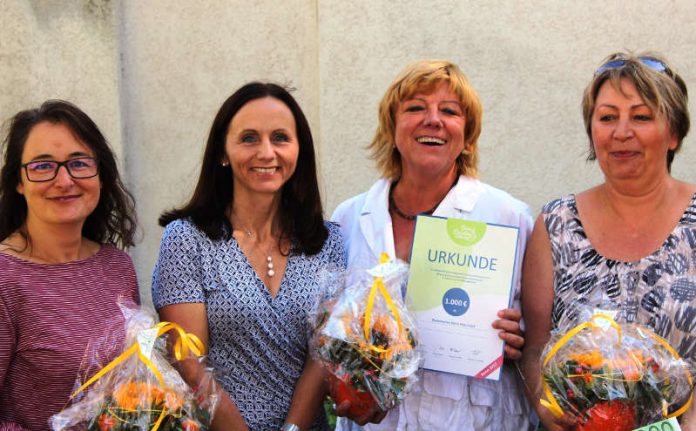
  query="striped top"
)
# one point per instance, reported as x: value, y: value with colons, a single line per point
x: 48, y: 314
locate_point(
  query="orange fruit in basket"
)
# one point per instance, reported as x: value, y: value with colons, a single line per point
x: 361, y: 402
x: 190, y: 425
x: 610, y: 416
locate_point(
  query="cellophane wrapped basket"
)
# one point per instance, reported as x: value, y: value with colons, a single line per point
x: 365, y: 337
x: 140, y: 389
x: 613, y: 377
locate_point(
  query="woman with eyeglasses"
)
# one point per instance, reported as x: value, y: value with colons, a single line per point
x: 626, y: 244
x: 426, y: 147
x: 239, y: 264
x: 64, y: 215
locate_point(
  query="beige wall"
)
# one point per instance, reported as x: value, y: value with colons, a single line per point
x: 153, y: 73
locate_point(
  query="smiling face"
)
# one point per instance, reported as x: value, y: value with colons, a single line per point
x: 63, y: 200
x: 262, y: 147
x: 429, y: 131
x: 630, y: 139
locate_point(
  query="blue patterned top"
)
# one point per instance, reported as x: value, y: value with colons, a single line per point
x: 257, y: 343
x: 657, y: 291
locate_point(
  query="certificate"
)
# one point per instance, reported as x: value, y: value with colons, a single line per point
x: 461, y: 276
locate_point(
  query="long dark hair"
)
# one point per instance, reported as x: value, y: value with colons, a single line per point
x: 113, y: 221
x: 300, y: 212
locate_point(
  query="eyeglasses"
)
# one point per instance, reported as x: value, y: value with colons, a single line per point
x: 46, y: 170
x: 652, y: 63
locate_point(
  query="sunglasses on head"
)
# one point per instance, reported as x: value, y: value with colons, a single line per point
x: 652, y: 63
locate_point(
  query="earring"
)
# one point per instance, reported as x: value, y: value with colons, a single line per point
x: 224, y: 163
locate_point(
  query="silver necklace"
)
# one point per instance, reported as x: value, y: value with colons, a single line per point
x: 270, y: 271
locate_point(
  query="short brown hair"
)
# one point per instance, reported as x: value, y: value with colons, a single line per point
x: 663, y: 91
x: 424, y: 76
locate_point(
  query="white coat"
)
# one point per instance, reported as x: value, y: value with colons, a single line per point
x: 442, y: 401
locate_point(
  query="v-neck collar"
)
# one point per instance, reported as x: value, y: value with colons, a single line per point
x: 257, y: 278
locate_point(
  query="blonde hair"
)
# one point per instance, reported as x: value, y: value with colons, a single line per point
x: 663, y: 91
x: 424, y: 76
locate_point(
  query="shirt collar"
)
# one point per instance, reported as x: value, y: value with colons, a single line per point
x: 461, y: 199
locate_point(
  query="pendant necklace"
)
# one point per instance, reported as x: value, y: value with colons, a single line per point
x: 270, y: 271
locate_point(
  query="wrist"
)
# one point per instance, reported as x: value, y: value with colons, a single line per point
x: 287, y: 426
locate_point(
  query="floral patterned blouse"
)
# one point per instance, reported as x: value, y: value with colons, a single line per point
x: 657, y: 291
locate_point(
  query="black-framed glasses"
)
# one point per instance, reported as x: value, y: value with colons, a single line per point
x: 652, y: 63
x: 45, y: 170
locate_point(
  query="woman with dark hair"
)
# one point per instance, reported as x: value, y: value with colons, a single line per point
x: 238, y: 263
x: 64, y: 214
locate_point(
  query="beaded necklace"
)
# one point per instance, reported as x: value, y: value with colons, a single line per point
x: 400, y: 213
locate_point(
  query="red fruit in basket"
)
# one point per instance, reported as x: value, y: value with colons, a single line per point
x: 106, y: 422
x: 361, y: 402
x: 610, y: 416
x: 190, y: 425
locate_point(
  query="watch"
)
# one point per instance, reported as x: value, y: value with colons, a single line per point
x: 287, y: 426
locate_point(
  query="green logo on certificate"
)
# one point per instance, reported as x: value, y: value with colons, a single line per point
x: 465, y: 232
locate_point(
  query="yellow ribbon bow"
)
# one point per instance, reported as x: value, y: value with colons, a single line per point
x: 378, y: 285
x: 186, y: 343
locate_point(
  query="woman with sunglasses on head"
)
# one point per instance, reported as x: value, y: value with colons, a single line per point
x: 626, y: 244
x: 426, y: 147
x: 64, y: 214
x: 239, y: 263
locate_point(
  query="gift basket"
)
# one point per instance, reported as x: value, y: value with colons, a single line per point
x: 613, y: 377
x: 140, y: 389
x: 365, y: 338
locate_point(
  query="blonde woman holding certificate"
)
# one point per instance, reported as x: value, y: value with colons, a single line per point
x: 426, y: 149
